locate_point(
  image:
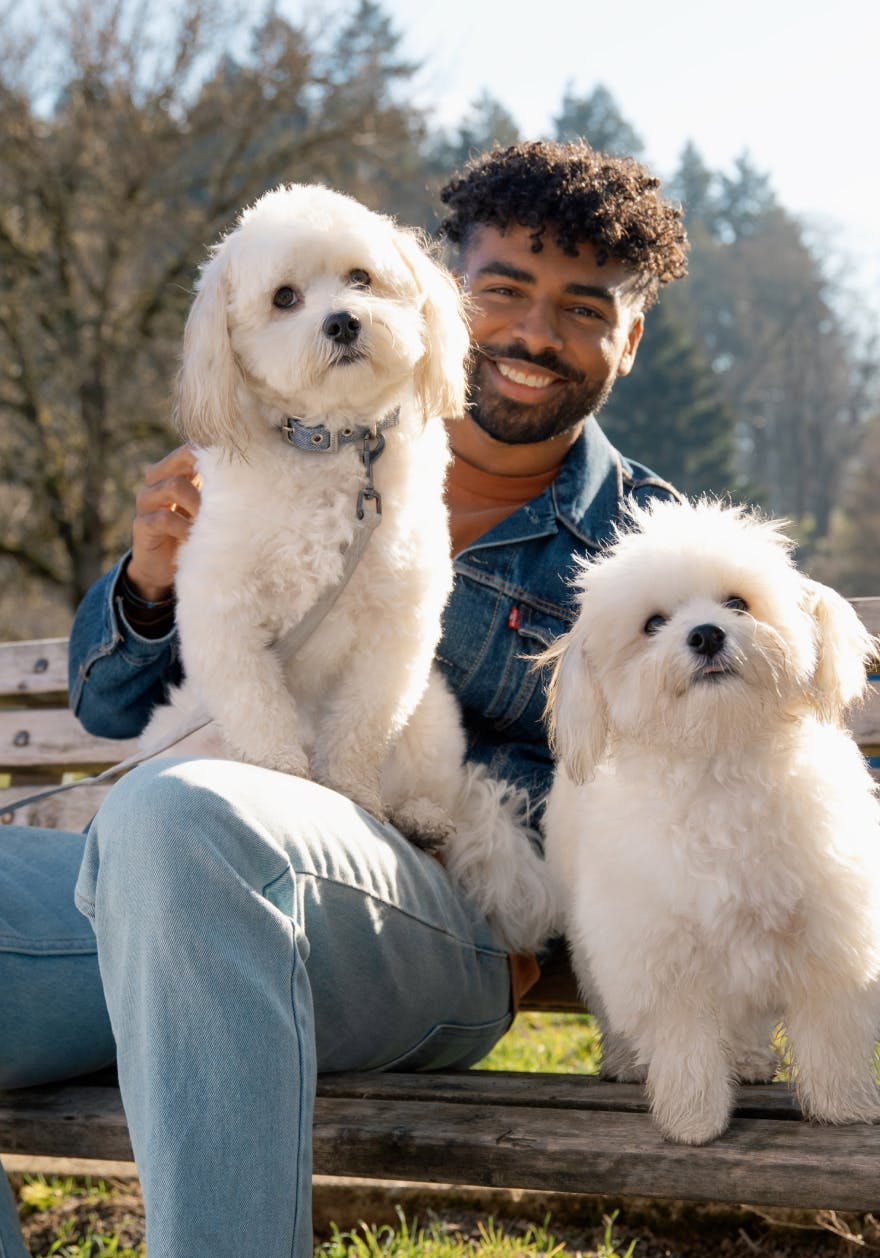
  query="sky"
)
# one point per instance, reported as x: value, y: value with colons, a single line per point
x: 796, y: 83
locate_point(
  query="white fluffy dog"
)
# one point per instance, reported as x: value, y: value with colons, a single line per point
x: 323, y: 347
x: 715, y: 833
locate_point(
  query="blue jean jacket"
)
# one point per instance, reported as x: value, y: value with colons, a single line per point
x: 511, y: 598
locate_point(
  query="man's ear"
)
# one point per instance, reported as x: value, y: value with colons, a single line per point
x: 636, y: 328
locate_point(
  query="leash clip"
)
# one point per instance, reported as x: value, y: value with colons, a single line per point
x: 369, y: 454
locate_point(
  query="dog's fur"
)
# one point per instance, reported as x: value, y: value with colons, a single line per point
x: 358, y: 707
x: 715, y: 834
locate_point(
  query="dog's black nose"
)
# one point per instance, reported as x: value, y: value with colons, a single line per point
x: 706, y: 640
x: 342, y: 327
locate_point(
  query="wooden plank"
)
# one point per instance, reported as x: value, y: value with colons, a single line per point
x: 49, y: 737
x: 72, y: 810
x: 762, y: 1161
x: 33, y: 668
x: 65, y: 1120
x: 547, y: 1091
x: 759, y: 1161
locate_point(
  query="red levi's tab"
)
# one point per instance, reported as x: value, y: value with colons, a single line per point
x: 513, y: 618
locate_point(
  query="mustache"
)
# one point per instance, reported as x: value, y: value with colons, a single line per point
x: 547, y: 359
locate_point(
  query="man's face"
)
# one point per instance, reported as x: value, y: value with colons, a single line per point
x: 551, y: 333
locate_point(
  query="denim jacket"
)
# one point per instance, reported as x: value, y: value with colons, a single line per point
x: 511, y: 598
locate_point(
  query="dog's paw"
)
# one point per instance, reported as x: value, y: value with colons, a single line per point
x: 698, y: 1125
x: 838, y: 1106
x: 691, y: 1100
x: 424, y: 823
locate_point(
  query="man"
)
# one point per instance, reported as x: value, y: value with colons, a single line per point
x: 253, y: 928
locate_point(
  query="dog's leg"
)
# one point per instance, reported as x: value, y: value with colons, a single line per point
x: 619, y: 1058
x: 832, y: 1040
x: 364, y: 718
x: 424, y: 771
x: 689, y: 1071
x: 239, y: 679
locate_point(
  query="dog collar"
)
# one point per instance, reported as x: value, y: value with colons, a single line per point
x: 319, y: 439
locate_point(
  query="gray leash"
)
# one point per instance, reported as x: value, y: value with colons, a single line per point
x: 290, y: 642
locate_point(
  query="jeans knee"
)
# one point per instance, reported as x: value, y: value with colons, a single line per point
x: 178, y: 826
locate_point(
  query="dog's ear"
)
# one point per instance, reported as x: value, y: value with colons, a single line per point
x: 843, y: 648
x: 440, y: 376
x: 206, y: 405
x: 576, y: 713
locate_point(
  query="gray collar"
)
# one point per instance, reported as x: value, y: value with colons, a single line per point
x: 319, y: 439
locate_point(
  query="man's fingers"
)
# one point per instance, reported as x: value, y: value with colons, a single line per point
x: 176, y: 494
x: 180, y: 462
x: 154, y: 528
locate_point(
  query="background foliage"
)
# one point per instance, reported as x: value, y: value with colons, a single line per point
x: 128, y: 144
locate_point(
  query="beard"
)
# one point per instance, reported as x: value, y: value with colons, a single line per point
x: 521, y: 423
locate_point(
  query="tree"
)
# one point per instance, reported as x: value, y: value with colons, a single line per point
x: 112, y: 184
x: 849, y: 559
x: 597, y: 119
x: 486, y: 124
x: 668, y: 412
x: 762, y: 309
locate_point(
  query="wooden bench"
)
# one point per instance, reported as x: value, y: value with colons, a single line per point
x: 559, y: 1133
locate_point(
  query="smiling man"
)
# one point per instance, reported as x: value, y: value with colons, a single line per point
x: 562, y: 250
x: 254, y: 928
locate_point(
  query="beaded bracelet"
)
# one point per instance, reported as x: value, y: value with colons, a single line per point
x: 144, y: 604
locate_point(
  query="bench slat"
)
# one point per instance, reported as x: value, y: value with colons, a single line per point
x: 611, y: 1151
x: 556, y: 1091
x: 33, y: 668
x: 36, y: 737
x: 760, y: 1161
x: 71, y: 811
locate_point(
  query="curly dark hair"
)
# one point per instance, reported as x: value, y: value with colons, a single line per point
x: 575, y: 195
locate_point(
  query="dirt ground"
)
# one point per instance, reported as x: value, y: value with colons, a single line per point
x: 661, y: 1230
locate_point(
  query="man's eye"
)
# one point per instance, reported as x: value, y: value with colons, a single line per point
x: 736, y: 604
x: 285, y: 297
x: 654, y: 623
x: 359, y: 277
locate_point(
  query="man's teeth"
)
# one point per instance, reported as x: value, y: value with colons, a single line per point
x: 523, y: 377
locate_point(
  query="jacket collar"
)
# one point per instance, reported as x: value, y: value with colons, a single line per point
x: 585, y: 497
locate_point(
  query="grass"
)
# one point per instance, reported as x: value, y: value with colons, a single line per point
x: 441, y: 1240
x: 548, y: 1042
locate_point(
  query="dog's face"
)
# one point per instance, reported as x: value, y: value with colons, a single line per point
x: 316, y: 308
x: 696, y: 632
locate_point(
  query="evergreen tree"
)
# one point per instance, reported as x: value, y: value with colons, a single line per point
x: 668, y: 412
x: 597, y: 119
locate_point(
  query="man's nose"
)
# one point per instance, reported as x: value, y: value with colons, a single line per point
x: 537, y: 327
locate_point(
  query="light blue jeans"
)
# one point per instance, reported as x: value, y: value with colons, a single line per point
x: 252, y: 929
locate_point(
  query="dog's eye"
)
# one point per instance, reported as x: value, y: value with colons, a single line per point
x: 736, y: 604
x: 359, y: 277
x: 654, y: 623
x: 285, y: 297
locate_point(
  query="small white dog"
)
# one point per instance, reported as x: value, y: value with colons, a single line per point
x: 323, y: 348
x: 714, y: 832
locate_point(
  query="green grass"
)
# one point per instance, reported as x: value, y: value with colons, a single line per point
x: 548, y: 1042
x: 439, y: 1240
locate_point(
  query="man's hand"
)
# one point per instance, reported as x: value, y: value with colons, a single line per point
x: 164, y: 511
